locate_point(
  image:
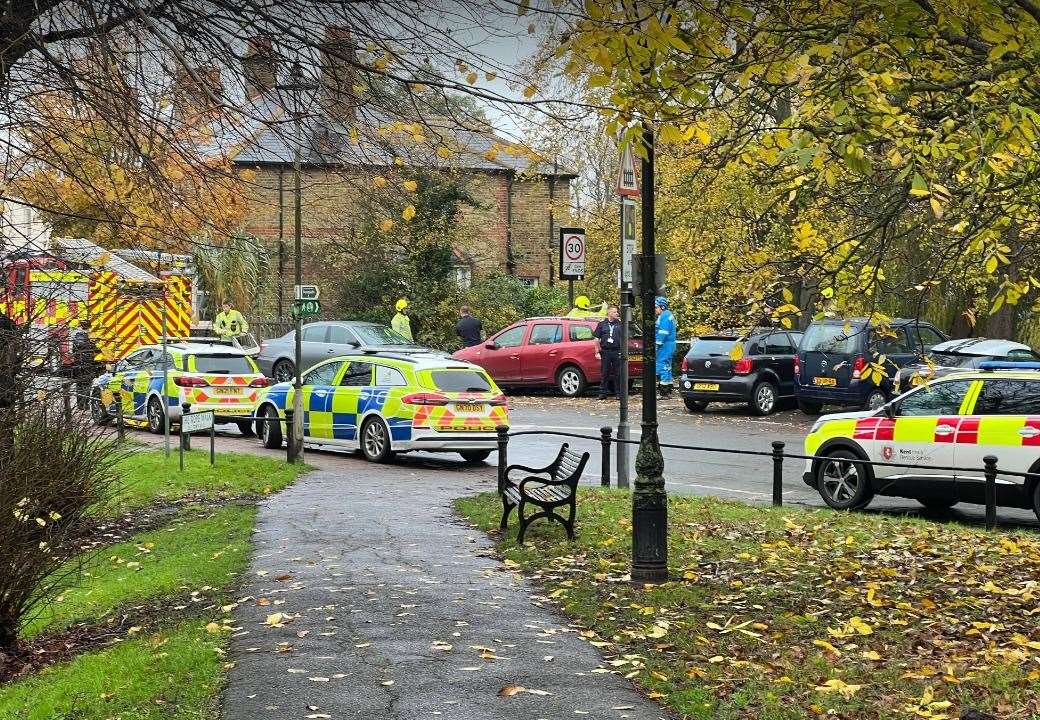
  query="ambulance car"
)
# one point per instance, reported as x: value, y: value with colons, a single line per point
x: 950, y: 422
x: 383, y: 403
x: 209, y: 376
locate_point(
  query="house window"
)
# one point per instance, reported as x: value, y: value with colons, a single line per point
x: 529, y: 281
x: 463, y: 275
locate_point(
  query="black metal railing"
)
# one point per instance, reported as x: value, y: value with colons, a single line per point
x: 777, y: 454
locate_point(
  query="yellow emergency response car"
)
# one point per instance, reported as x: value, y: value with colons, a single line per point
x: 209, y: 376
x: 384, y: 403
x: 951, y: 422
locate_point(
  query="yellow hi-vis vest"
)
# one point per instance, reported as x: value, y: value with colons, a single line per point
x: 402, y: 326
x: 230, y: 324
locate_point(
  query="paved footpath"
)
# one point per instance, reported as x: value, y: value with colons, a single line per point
x: 390, y: 607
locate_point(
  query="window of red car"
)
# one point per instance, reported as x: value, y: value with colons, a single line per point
x: 579, y: 332
x: 546, y: 334
x: 511, y: 337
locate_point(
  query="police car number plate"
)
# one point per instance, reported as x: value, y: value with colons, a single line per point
x: 227, y: 391
x: 469, y: 407
x: 705, y: 386
x: 825, y: 381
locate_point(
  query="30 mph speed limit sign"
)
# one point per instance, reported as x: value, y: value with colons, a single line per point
x: 572, y: 253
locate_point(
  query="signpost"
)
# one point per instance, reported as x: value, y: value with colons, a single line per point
x: 572, y: 257
x: 197, y: 422
x: 305, y: 308
x: 628, y: 178
x: 306, y: 292
x: 628, y: 249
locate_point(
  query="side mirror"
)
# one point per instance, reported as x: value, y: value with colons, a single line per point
x: 890, y: 411
x: 491, y: 345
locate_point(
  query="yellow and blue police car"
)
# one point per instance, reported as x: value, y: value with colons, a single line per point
x: 209, y: 376
x: 951, y: 422
x: 384, y: 403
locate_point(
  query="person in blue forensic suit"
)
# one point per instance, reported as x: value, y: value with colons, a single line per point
x: 665, y: 338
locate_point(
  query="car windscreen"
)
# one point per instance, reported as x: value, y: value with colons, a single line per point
x: 378, y: 335
x: 712, y: 347
x: 223, y: 364
x: 956, y: 360
x: 830, y: 339
x: 460, y: 381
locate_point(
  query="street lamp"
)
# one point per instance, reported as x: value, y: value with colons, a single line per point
x: 649, y: 498
x: 295, y: 91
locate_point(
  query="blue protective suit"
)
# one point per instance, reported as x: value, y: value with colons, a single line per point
x: 665, y: 338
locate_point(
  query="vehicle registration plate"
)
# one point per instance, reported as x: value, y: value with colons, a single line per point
x: 705, y: 386
x: 825, y: 381
x: 226, y: 391
x: 469, y: 407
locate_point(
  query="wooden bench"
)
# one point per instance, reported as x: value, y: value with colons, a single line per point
x: 550, y: 487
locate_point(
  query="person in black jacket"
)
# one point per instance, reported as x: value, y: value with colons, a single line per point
x: 608, y: 340
x: 468, y: 327
x: 85, y: 365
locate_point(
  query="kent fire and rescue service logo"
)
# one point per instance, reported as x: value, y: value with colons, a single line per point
x: 886, y: 452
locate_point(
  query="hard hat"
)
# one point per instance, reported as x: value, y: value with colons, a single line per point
x: 401, y: 304
x: 661, y: 301
x: 582, y: 302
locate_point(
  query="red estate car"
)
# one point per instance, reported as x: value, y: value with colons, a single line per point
x: 556, y: 351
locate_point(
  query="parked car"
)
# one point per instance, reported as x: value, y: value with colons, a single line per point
x: 322, y: 340
x: 952, y: 422
x: 834, y: 353
x: 762, y: 376
x: 385, y: 402
x: 956, y: 355
x: 547, y: 351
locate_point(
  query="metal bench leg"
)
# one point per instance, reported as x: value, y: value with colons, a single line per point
x: 506, y: 509
x: 524, y: 522
x: 569, y: 522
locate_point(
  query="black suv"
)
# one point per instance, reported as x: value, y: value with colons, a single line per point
x: 763, y: 374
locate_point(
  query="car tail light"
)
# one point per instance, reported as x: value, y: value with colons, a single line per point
x: 685, y: 365
x: 425, y: 399
x: 260, y: 382
x: 797, y: 367
x: 500, y: 399
x: 743, y: 366
x: 858, y: 366
x: 189, y: 381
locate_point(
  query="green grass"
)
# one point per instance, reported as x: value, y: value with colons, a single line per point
x: 173, y: 674
x: 183, y: 557
x: 791, y: 614
x: 151, y: 477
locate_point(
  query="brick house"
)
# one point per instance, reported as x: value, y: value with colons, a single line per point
x: 521, y: 201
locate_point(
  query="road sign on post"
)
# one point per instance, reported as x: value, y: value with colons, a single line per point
x: 572, y: 253
x: 306, y: 292
x: 628, y: 178
x: 305, y: 308
x: 628, y: 239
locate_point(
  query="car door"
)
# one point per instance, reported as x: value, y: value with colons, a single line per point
x: 779, y: 357
x: 540, y: 354
x: 318, y: 387
x: 924, y: 431
x: 1006, y: 422
x: 346, y: 410
x: 312, y: 345
x: 134, y: 393
x: 339, y: 341
x: 501, y: 357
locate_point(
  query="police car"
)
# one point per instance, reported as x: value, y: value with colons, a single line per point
x: 952, y: 422
x: 384, y: 403
x: 209, y: 376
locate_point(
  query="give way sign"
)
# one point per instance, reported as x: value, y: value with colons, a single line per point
x: 572, y: 253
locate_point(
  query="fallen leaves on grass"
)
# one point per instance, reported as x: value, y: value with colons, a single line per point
x: 511, y: 690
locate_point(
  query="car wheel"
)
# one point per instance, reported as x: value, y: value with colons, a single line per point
x: 936, y: 503
x: 375, y: 441
x: 810, y: 408
x: 284, y: 371
x: 695, y: 405
x: 843, y: 480
x: 98, y: 412
x: 156, y: 417
x: 271, y: 430
x: 245, y: 427
x: 875, y: 399
x: 1036, y: 500
x: 571, y: 381
x: 763, y: 398
x: 475, y: 456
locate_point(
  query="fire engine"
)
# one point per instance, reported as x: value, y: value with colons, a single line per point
x: 77, y: 283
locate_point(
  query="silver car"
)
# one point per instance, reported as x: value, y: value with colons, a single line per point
x: 325, y: 339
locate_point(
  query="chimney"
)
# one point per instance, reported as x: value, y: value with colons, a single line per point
x: 338, y: 75
x: 194, y: 91
x: 259, y: 66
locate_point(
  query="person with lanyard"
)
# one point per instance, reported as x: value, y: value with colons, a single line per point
x: 665, y: 340
x: 608, y: 343
x: 229, y: 323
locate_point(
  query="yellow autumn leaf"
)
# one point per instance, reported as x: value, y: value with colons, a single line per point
x: 839, y: 686
x: 859, y: 626
x: 386, y: 225
x: 471, y: 78
x: 274, y: 619
x: 408, y: 213
x: 411, y: 185
x: 489, y: 76
x: 827, y: 646
x: 529, y: 91
x: 443, y: 153
x: 737, y: 352
x: 872, y: 655
x: 212, y: 628
x: 379, y: 181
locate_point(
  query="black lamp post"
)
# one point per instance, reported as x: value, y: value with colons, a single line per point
x: 295, y: 91
x: 649, y: 498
